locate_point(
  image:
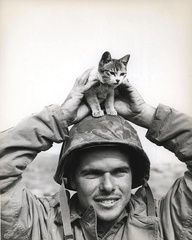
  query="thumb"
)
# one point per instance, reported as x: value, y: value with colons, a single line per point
x: 127, y: 88
x: 82, y: 80
x: 126, y: 84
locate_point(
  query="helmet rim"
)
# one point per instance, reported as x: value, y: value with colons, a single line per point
x: 142, y: 160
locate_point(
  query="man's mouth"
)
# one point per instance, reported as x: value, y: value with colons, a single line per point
x: 107, y: 202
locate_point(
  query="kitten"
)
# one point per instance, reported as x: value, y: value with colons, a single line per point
x: 110, y: 74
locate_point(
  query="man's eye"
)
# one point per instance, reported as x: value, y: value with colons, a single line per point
x: 92, y: 174
x: 120, y: 172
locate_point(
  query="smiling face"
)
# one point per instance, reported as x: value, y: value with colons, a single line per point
x: 103, y: 180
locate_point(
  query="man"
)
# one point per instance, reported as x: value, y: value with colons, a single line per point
x: 102, y: 159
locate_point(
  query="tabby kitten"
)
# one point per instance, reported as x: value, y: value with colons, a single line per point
x: 110, y: 74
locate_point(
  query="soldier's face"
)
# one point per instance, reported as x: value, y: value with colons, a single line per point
x: 103, y: 180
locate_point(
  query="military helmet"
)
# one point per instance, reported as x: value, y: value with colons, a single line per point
x: 104, y: 131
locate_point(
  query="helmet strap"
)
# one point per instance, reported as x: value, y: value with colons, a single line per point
x: 150, y: 201
x: 65, y: 212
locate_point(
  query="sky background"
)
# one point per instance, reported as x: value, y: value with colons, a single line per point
x: 46, y: 44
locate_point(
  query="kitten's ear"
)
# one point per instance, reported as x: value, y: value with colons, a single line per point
x: 125, y: 59
x: 106, y: 57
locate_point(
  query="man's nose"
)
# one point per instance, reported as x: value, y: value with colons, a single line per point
x: 107, y: 183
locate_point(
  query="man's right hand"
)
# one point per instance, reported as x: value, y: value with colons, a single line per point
x: 72, y: 107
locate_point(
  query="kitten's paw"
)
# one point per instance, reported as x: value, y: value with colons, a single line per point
x: 99, y: 113
x: 112, y: 112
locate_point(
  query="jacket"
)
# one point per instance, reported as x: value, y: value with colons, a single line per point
x: 25, y: 216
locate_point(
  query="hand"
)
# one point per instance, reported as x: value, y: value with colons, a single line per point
x: 72, y: 107
x: 131, y: 105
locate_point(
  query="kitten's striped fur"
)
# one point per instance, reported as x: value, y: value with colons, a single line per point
x: 110, y: 73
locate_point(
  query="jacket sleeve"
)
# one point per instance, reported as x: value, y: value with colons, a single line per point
x: 173, y: 130
x: 18, y: 147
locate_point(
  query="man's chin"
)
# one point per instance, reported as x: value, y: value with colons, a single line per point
x: 108, y: 216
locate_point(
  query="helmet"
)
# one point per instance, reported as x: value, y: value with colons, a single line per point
x: 104, y: 131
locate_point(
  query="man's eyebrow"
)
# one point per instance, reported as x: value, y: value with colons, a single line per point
x: 100, y: 171
x: 121, y: 169
x: 91, y: 170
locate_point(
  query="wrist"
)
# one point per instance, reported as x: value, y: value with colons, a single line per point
x: 146, y: 116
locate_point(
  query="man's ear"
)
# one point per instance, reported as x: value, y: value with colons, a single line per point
x: 125, y: 59
x: 72, y: 184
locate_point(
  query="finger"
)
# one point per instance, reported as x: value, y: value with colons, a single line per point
x: 82, y: 112
x: 128, y: 93
x: 91, y: 84
x: 84, y: 77
x: 126, y: 84
x: 127, y: 87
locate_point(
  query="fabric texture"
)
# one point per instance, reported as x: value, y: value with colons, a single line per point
x: 27, y: 217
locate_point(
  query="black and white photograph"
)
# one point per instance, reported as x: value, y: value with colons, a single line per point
x: 95, y: 120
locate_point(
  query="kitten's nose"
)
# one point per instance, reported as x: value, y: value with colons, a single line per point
x: 117, y: 80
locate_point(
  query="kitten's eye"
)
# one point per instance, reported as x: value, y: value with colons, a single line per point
x: 122, y: 74
x: 112, y: 73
